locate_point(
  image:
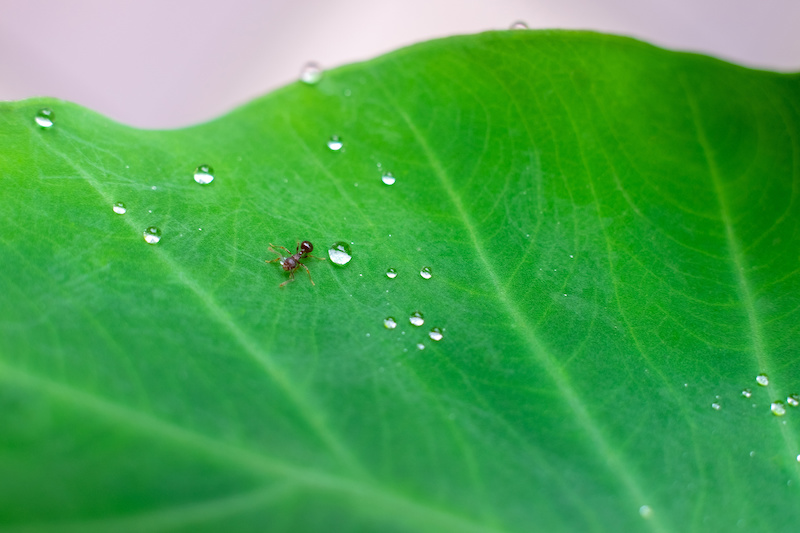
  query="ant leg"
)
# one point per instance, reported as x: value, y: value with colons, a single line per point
x: 274, y: 251
x: 315, y: 257
x: 307, y: 272
x: 291, y: 278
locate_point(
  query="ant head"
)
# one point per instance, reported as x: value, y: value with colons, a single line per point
x: 306, y: 247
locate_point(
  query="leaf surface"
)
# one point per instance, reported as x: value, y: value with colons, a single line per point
x: 612, y: 231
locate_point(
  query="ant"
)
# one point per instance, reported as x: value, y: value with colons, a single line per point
x: 291, y: 262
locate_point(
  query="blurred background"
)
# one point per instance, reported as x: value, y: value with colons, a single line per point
x: 171, y: 63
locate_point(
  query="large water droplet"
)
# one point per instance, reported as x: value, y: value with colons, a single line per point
x: 716, y: 406
x: 426, y: 273
x: 340, y: 253
x: 416, y: 319
x: 777, y: 408
x: 204, y: 174
x: 388, y: 178
x: 391, y: 273
x: 119, y: 208
x: 311, y: 73
x: 762, y: 380
x: 45, y: 117
x: 389, y: 323
x: 335, y: 143
x: 435, y: 334
x: 793, y: 400
x: 519, y: 25
x: 747, y: 393
x: 152, y: 235
x: 645, y: 511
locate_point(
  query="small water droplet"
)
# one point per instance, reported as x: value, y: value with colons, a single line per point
x: 45, y: 117
x: 391, y: 273
x: 388, y: 178
x: 645, y: 511
x: 793, y: 400
x: 747, y: 393
x: 416, y: 319
x: 752, y: 453
x: 762, y: 380
x: 204, y: 174
x: 152, y: 235
x: 119, y: 208
x: 420, y: 346
x: 311, y: 73
x: 777, y: 408
x: 798, y: 458
x: 340, y: 253
x: 389, y: 323
x: 715, y: 406
x: 519, y: 25
x: 154, y: 187
x: 426, y: 273
x: 335, y: 143
x: 435, y: 334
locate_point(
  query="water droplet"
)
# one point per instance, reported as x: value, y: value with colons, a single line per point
x: 45, y: 117
x: 152, y: 235
x: 388, y: 178
x: 335, y: 143
x: 753, y: 453
x: 416, y: 319
x: 747, y: 393
x: 645, y: 511
x: 519, y: 25
x: 119, y: 208
x: 435, y: 334
x: 420, y: 346
x: 391, y: 273
x: 340, y: 253
x: 425, y: 273
x: 311, y: 73
x: 389, y: 323
x: 793, y: 400
x: 777, y: 408
x: 204, y: 174
x: 762, y: 380
x: 715, y: 406
x: 798, y: 458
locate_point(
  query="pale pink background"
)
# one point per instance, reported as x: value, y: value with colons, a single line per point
x: 168, y: 63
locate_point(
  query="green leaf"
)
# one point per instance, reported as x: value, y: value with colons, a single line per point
x: 612, y: 232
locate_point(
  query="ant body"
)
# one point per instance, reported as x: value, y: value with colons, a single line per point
x: 291, y: 262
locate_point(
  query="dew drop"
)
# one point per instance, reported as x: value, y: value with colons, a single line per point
x: 416, y: 319
x: 435, y: 334
x: 715, y: 406
x: 152, y: 235
x: 777, y: 408
x: 645, y: 511
x: 793, y: 400
x: 45, y: 117
x: 426, y: 273
x: 519, y: 25
x: 311, y: 73
x: 762, y: 380
x: 204, y: 174
x: 335, y: 143
x: 340, y: 253
x: 420, y: 346
x: 391, y: 273
x: 747, y: 393
x: 798, y: 458
x: 119, y: 208
x: 388, y: 178
x: 389, y: 323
